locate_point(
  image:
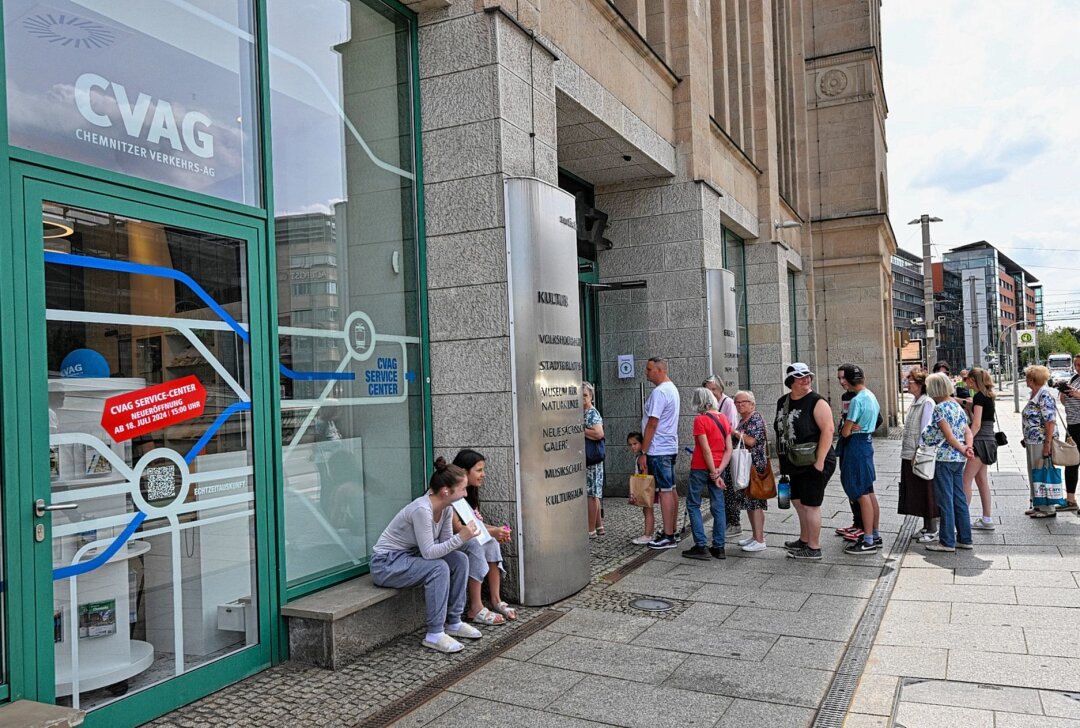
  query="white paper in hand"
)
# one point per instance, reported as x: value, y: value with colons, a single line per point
x: 465, y: 513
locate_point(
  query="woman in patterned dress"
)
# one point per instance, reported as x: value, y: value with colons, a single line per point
x: 750, y: 432
x: 1039, y: 418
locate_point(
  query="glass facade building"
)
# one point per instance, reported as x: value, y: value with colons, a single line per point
x: 214, y: 370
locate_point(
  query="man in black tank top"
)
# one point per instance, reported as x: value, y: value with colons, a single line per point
x: 808, y: 420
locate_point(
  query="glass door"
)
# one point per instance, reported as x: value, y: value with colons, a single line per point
x: 147, y: 515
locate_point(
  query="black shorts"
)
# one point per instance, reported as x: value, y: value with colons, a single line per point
x: 808, y: 486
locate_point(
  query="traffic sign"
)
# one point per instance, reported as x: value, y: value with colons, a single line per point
x: 1025, y: 339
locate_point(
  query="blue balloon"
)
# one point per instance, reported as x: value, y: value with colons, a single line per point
x: 83, y: 363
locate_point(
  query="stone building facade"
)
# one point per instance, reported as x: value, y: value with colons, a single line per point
x: 712, y: 134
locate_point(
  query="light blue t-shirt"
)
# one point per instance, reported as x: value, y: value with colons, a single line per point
x: 663, y: 404
x: 864, y: 411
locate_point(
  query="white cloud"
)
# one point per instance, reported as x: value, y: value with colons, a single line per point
x: 983, y: 131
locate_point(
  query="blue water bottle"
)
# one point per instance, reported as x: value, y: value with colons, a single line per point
x: 783, y: 492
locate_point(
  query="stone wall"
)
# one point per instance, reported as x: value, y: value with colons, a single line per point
x: 488, y: 112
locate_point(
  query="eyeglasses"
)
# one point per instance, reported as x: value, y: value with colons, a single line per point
x: 742, y: 401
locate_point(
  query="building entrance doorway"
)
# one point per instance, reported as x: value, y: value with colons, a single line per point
x: 146, y: 483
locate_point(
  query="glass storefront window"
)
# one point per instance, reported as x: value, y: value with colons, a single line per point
x: 150, y: 439
x: 348, y: 300
x: 163, y: 90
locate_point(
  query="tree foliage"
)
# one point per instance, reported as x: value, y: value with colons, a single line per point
x: 1058, y: 341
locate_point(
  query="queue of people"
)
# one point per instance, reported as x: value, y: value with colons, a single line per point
x: 948, y: 442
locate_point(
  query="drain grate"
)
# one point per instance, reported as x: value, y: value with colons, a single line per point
x: 650, y: 604
x: 433, y: 687
x: 838, y: 699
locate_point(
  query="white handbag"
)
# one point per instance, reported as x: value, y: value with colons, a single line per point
x: 741, y: 462
x: 925, y: 461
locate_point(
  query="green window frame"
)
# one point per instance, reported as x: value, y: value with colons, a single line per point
x: 17, y: 166
x: 734, y: 259
x: 793, y: 311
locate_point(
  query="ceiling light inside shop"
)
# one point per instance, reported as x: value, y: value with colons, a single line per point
x: 54, y: 227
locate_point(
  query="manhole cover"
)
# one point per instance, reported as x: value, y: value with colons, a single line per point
x: 651, y: 605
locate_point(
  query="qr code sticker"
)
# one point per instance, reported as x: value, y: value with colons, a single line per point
x: 160, y: 482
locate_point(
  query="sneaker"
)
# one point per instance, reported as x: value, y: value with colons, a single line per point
x: 795, y: 545
x: 664, y: 542
x: 980, y: 525
x: 717, y: 552
x: 805, y: 553
x: 746, y: 541
x: 878, y: 543
x: 853, y: 535
x: 940, y: 548
x: 965, y: 546
x: 696, y: 552
x: 754, y: 546
x: 735, y: 529
x: 861, y: 547
x: 641, y: 540
x: 928, y: 537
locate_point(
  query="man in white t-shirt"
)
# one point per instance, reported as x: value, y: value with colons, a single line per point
x: 660, y: 445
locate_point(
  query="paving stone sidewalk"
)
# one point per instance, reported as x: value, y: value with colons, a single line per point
x: 988, y: 637
x: 753, y: 640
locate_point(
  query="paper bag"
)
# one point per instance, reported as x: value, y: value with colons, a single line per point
x: 642, y: 490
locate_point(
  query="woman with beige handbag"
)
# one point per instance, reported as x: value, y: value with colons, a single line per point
x: 752, y: 434
x: 1070, y: 401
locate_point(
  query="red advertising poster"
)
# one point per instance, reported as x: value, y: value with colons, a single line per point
x: 154, y: 408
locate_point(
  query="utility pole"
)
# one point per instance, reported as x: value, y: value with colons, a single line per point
x: 928, y: 287
x: 976, y: 349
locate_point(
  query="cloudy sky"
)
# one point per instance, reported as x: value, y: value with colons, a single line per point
x: 984, y: 131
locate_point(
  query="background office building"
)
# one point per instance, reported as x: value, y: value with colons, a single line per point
x: 949, y: 317
x: 907, y: 291
x: 997, y: 297
x: 258, y: 274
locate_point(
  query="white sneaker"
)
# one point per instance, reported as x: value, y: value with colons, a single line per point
x: 754, y: 546
x: 982, y: 525
x: 641, y: 540
x: 745, y: 541
x: 927, y: 537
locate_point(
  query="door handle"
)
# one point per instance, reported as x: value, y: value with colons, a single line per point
x: 40, y: 508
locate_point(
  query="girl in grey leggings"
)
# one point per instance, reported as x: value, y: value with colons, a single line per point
x: 419, y: 549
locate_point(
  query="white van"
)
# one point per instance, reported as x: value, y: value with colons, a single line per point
x: 1060, y: 366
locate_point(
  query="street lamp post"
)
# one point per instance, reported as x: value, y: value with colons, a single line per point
x: 1012, y: 360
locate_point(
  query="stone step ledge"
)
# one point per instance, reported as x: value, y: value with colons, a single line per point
x: 333, y: 627
x: 29, y: 714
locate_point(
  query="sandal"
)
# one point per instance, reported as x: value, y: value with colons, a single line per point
x: 600, y: 531
x: 1043, y: 514
x: 1029, y: 511
x: 445, y: 644
x: 592, y: 535
x: 488, y: 617
x: 505, y: 610
x: 1069, y: 506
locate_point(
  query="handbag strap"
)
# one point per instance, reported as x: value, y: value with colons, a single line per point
x: 719, y: 423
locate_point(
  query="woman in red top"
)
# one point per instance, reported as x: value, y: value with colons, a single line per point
x: 712, y: 451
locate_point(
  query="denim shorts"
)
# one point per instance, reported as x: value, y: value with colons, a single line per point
x: 662, y: 468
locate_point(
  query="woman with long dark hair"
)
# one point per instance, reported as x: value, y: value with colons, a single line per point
x: 485, y: 560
